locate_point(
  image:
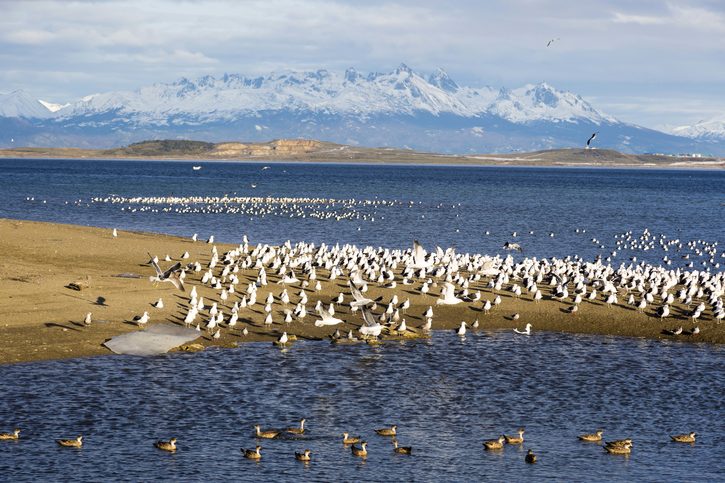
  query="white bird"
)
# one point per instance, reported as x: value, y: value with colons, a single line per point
x: 327, y: 319
x: 115, y: 233
x: 448, y: 295
x: 283, y: 339
x: 141, y: 321
x: 87, y: 320
x: 371, y: 327
x: 159, y: 304
x: 462, y: 329
x: 526, y: 331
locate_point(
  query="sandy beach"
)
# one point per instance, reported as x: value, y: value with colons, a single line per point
x: 43, y: 319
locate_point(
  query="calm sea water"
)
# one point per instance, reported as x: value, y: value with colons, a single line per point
x: 446, y: 394
x: 439, y: 205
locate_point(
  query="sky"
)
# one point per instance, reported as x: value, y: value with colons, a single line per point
x: 650, y: 62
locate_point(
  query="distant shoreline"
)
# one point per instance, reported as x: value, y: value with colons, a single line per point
x: 310, y: 151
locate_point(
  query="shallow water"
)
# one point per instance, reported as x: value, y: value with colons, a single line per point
x: 447, y: 395
x: 439, y: 205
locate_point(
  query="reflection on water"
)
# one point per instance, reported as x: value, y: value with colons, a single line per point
x: 447, y: 395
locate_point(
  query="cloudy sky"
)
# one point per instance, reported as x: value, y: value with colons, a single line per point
x: 650, y: 62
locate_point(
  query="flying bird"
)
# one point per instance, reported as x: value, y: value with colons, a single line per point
x: 548, y: 44
x: 169, y: 275
x: 591, y: 138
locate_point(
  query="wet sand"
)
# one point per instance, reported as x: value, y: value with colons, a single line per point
x: 41, y: 319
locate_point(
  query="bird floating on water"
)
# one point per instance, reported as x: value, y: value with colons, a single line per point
x: 14, y: 435
x: 266, y: 434
x: 391, y: 431
x: 515, y: 439
x: 494, y: 444
x: 684, y: 438
x: 362, y: 451
x: 401, y: 449
x: 530, y: 457
x: 304, y: 456
x: 592, y: 437
x: 526, y: 331
x: 71, y: 443
x: 252, y: 454
x: 299, y: 430
x: 169, y: 445
x: 347, y: 439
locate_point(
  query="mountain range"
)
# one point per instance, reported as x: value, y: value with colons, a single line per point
x: 401, y: 108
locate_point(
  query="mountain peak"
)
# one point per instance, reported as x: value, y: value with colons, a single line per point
x: 441, y: 80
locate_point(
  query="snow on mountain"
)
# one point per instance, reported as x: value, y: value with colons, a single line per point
x: 707, y: 129
x: 400, y: 92
x: 21, y: 104
x: 398, y: 108
x: 543, y: 102
x: 53, y: 107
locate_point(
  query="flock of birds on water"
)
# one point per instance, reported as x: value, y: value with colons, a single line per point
x: 358, y: 446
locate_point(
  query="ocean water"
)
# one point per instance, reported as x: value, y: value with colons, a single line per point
x: 438, y: 205
x: 447, y: 394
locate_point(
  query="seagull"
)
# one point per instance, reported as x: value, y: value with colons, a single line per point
x: 548, y: 44
x: 448, y: 295
x: 159, y: 304
x: 115, y: 233
x: 419, y: 257
x: 591, y: 138
x: 169, y: 275
x: 142, y: 320
x: 87, y: 320
x: 371, y: 327
x: 283, y: 339
x: 512, y: 246
x: 462, y: 329
x: 526, y: 331
x: 327, y: 319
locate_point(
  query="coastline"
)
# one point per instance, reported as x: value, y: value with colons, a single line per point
x: 42, y: 319
x: 309, y: 151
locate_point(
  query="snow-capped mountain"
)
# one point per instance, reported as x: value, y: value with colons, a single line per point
x: 712, y: 129
x: 21, y: 104
x: 401, y: 108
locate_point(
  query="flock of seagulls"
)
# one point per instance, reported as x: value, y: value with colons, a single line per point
x: 442, y: 278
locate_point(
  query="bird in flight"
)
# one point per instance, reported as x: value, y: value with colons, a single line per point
x: 591, y: 138
x: 548, y: 44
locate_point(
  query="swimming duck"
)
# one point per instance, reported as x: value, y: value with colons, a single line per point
x: 361, y: 451
x: 515, y: 439
x: 596, y: 436
x: 684, y: 438
x: 401, y: 449
x: 530, y: 457
x: 347, y: 439
x: 299, y: 430
x: 391, y: 431
x: 14, y: 435
x: 252, y: 454
x: 267, y: 434
x: 71, y: 443
x: 494, y: 444
x: 619, y: 442
x: 626, y: 448
x: 304, y: 456
x: 169, y: 445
